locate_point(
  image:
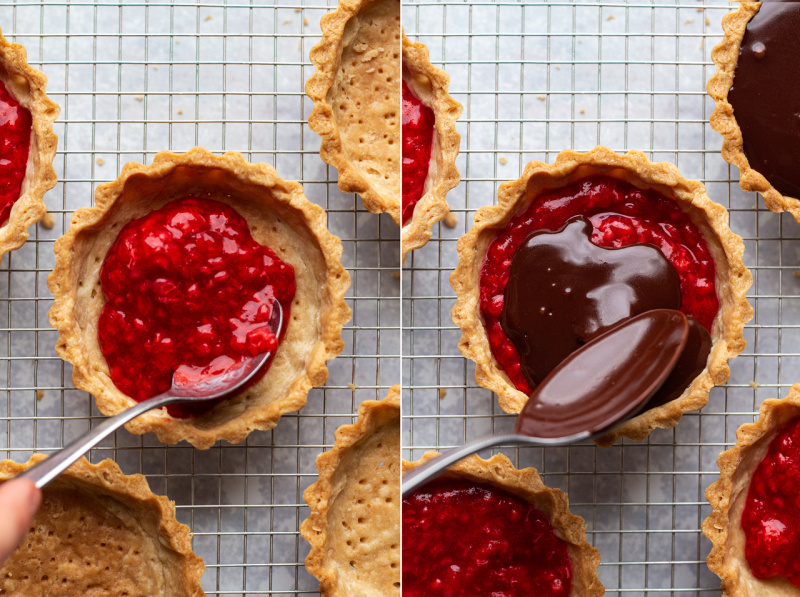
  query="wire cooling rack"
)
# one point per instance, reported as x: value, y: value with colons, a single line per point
x: 539, y: 77
x: 133, y: 78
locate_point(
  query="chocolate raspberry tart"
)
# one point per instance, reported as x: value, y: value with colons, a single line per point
x: 99, y: 532
x: 179, y: 265
x: 356, y: 93
x: 576, y: 246
x: 487, y: 528
x: 430, y: 145
x: 28, y: 147
x: 354, y: 525
x: 755, y: 523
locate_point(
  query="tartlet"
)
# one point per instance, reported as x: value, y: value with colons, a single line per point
x: 728, y: 497
x: 429, y: 84
x: 27, y: 86
x: 278, y: 216
x: 356, y: 93
x: 354, y: 525
x: 732, y: 277
x: 498, y: 472
x: 99, y: 532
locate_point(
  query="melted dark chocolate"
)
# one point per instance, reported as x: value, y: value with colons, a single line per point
x: 563, y: 290
x: 608, y: 379
x: 766, y: 94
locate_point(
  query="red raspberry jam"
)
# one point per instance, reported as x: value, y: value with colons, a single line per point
x: 186, y: 285
x: 771, y: 515
x: 15, y: 141
x: 621, y: 215
x: 462, y: 539
x: 418, y: 121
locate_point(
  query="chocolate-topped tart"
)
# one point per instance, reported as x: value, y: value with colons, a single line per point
x: 574, y: 247
x: 177, y: 267
x: 28, y: 148
x: 356, y: 93
x: 756, y: 517
x: 757, y: 93
x: 99, y: 532
x: 502, y: 530
x: 430, y: 145
x: 354, y: 525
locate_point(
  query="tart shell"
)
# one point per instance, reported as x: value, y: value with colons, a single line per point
x: 356, y: 93
x: 354, y: 525
x: 101, y: 532
x: 279, y: 216
x: 430, y: 85
x: 526, y: 484
x: 728, y: 494
x: 727, y: 248
x: 28, y: 86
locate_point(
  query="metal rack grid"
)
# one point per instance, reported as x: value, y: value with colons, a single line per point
x: 538, y: 77
x: 136, y: 77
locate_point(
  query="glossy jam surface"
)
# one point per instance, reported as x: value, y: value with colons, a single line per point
x: 621, y: 215
x: 418, y: 121
x: 467, y: 540
x: 186, y: 285
x: 15, y: 142
x: 771, y: 515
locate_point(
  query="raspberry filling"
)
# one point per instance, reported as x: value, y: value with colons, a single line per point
x: 771, y: 515
x: 418, y: 121
x: 15, y: 142
x: 621, y: 215
x: 467, y: 540
x: 186, y: 286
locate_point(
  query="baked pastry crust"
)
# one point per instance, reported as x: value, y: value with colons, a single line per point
x: 527, y: 485
x: 358, y: 492
x: 728, y: 494
x: 99, y: 531
x: 725, y: 56
x: 279, y: 216
x: 727, y: 248
x: 356, y: 93
x: 430, y: 85
x: 28, y: 85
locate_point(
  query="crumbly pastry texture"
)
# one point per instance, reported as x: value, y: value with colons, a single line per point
x: 725, y: 56
x: 728, y: 494
x: 100, y: 532
x: 354, y: 525
x: 727, y: 248
x: 356, y: 93
x: 526, y: 484
x: 279, y: 216
x: 28, y: 86
x: 430, y: 85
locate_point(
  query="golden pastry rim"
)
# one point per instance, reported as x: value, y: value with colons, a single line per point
x: 635, y: 168
x: 432, y: 206
x: 169, y: 430
x: 499, y: 472
x: 371, y: 413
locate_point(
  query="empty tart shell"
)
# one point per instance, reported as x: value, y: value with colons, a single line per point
x: 99, y: 532
x: 354, y: 525
x: 430, y: 85
x: 527, y: 485
x: 732, y: 277
x: 356, y: 93
x: 279, y: 216
x: 28, y: 86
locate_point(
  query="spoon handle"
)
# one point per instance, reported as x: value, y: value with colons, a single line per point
x: 47, y: 470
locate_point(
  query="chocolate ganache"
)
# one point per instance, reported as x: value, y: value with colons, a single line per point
x: 765, y: 94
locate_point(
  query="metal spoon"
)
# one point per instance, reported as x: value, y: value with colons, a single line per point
x: 594, y: 389
x: 183, y: 389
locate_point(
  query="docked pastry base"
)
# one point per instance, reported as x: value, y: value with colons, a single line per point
x: 727, y: 248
